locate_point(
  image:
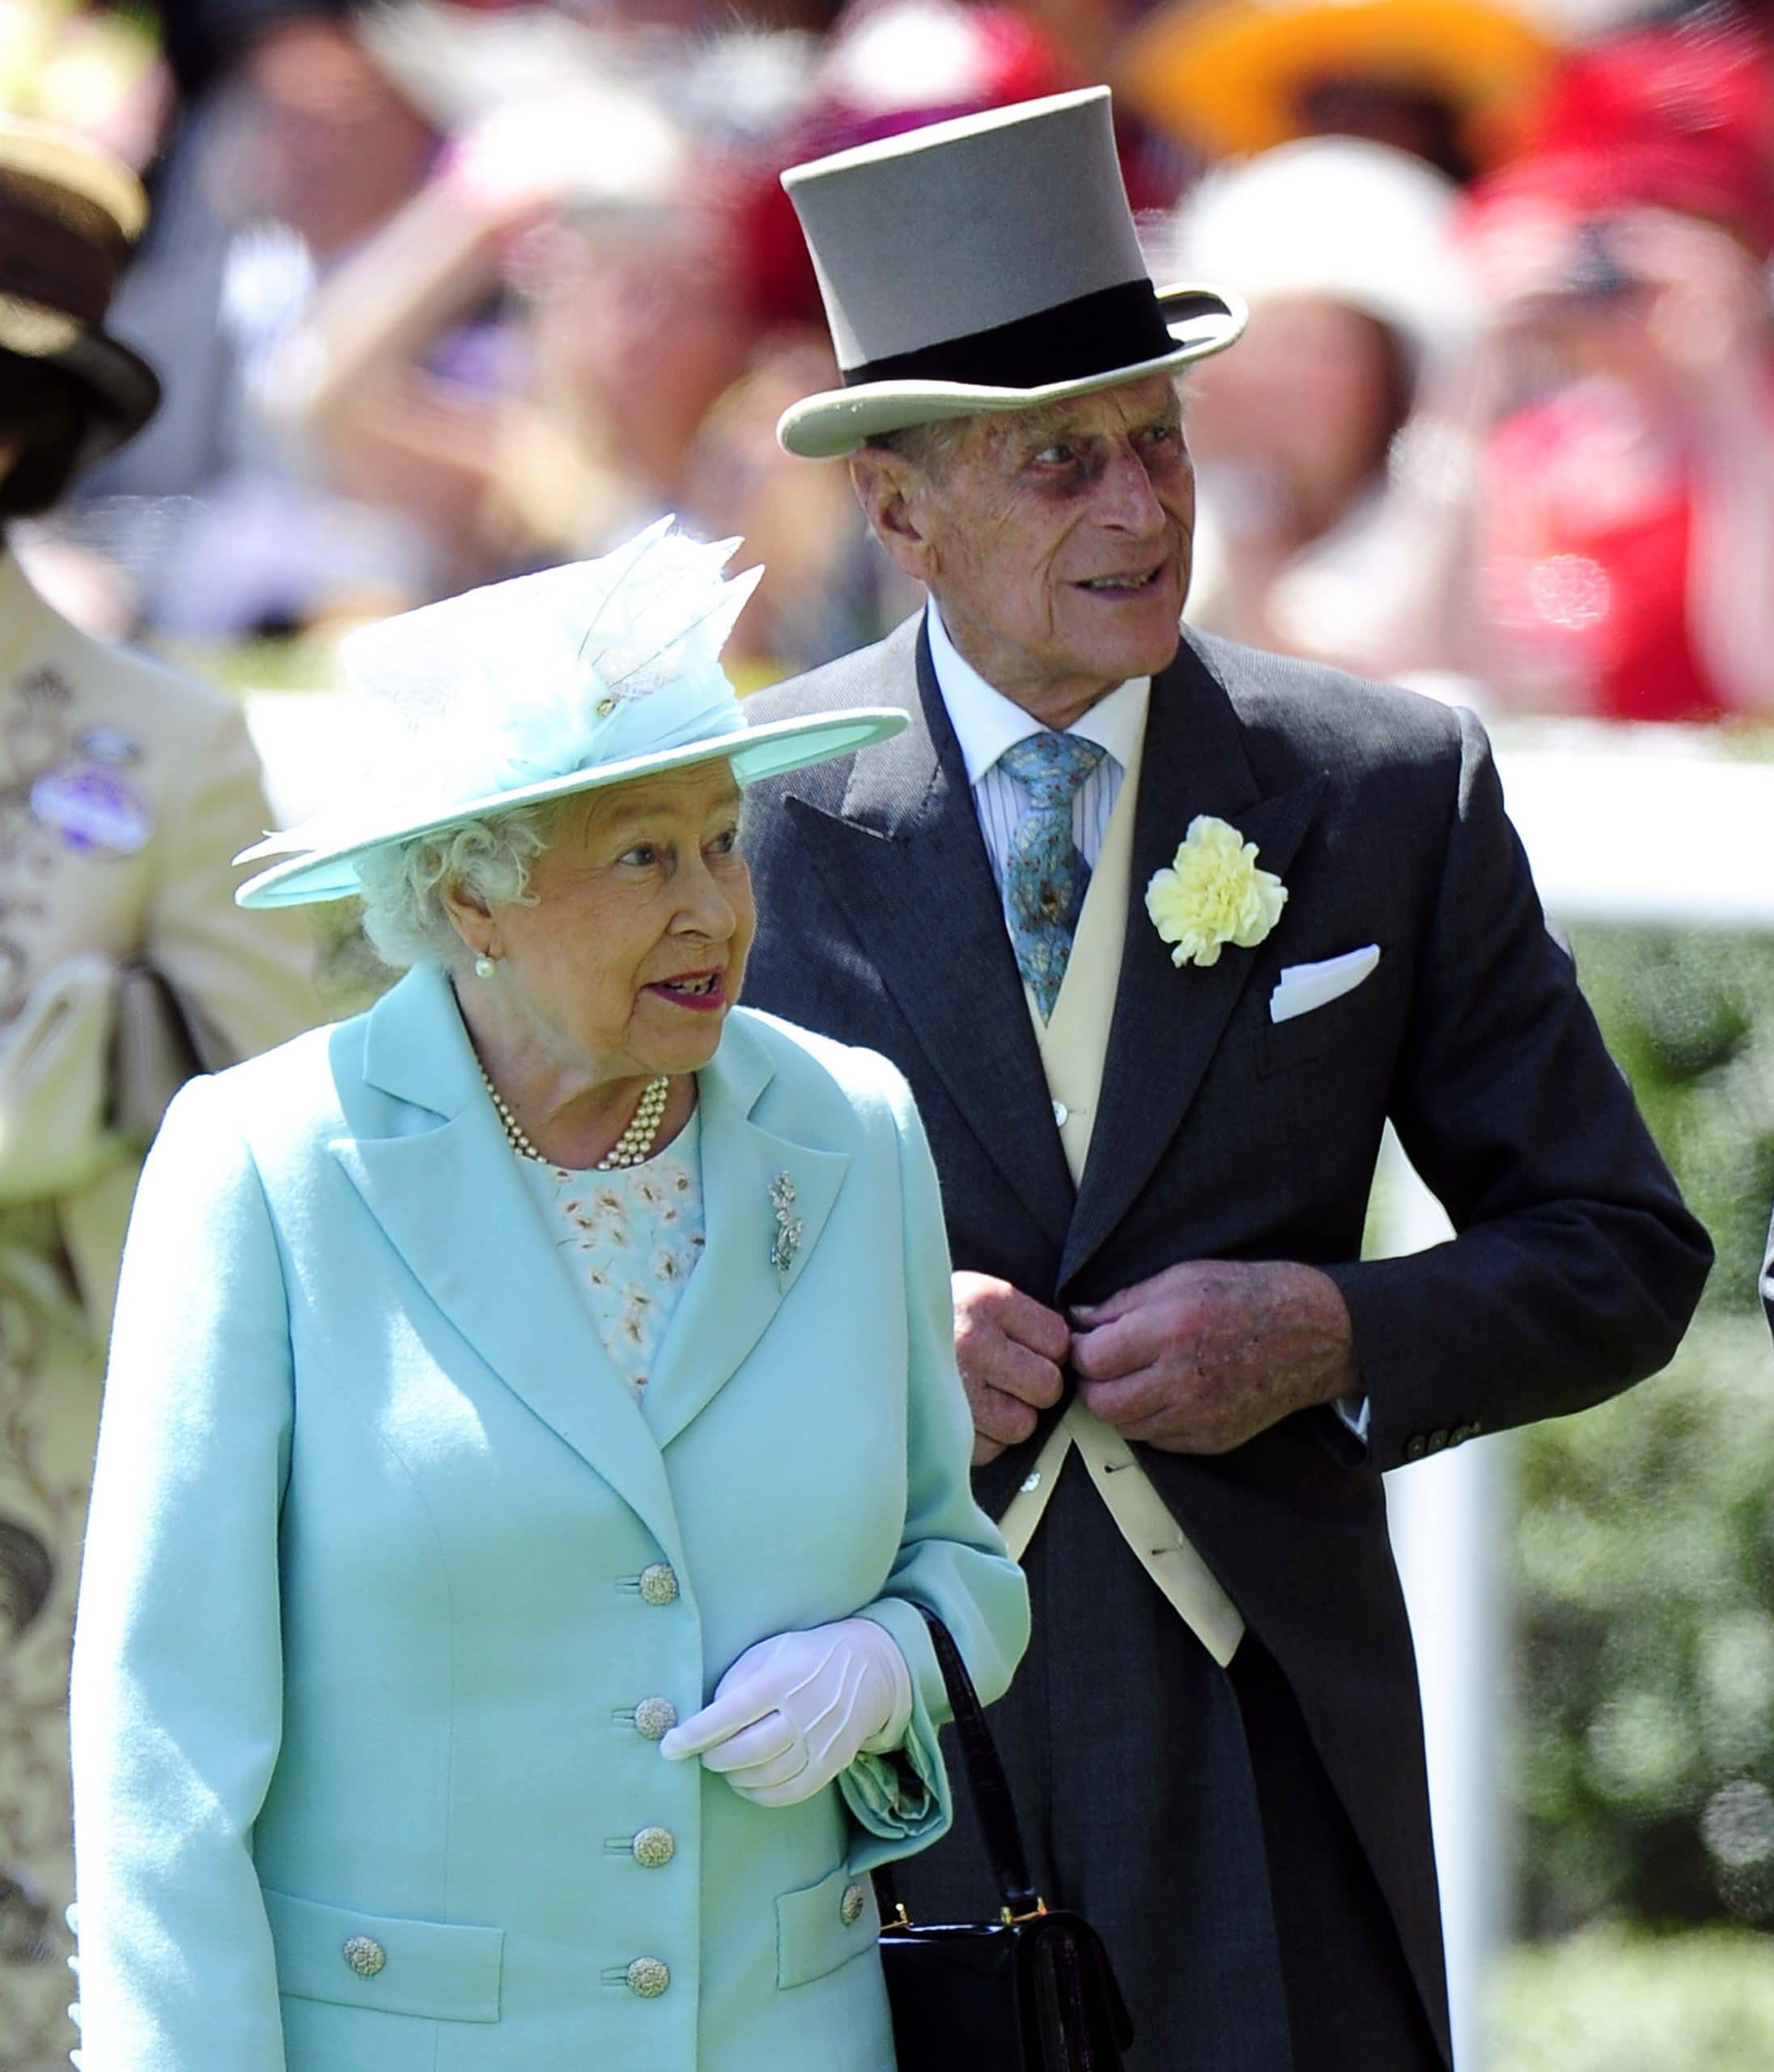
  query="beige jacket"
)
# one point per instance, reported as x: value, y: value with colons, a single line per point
x: 125, y: 789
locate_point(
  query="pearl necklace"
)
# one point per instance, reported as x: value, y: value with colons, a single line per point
x: 634, y: 1147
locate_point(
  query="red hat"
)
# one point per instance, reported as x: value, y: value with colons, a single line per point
x: 1673, y: 118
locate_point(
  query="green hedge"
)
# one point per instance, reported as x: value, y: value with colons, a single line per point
x: 1644, y: 1759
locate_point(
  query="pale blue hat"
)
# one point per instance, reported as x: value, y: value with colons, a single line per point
x: 564, y: 682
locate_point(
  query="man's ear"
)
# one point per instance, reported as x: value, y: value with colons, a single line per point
x: 887, y: 486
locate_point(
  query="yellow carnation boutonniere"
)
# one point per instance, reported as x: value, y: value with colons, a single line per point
x: 1213, y: 893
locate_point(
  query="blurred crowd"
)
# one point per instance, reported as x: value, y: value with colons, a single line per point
x: 444, y: 290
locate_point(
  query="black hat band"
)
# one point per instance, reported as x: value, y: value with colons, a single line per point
x: 1075, y: 340
x: 47, y: 261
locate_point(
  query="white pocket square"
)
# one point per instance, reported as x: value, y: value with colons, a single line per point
x: 1305, y: 987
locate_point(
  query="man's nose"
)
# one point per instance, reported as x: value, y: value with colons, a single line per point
x: 1128, y: 500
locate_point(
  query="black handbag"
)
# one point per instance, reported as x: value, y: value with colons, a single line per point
x: 1032, y: 1991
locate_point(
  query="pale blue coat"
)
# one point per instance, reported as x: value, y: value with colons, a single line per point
x: 362, y: 1635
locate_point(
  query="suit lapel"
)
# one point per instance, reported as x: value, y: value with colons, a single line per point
x: 729, y: 1302
x: 1167, y: 1023
x: 906, y: 863
x: 446, y: 1193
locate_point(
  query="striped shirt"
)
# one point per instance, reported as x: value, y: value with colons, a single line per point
x: 985, y: 723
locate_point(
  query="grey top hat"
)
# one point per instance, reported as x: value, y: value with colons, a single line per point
x: 986, y: 264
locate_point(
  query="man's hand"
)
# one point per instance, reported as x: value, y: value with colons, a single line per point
x: 1009, y: 1348
x: 1206, y: 1355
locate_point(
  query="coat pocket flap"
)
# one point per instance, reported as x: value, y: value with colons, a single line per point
x: 823, y: 1926
x: 447, y: 1971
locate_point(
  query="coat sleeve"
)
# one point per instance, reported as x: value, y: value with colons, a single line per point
x: 951, y: 1560
x: 177, y: 1693
x: 1575, y: 1267
x: 248, y: 977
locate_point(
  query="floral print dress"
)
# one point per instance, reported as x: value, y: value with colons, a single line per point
x: 629, y: 1240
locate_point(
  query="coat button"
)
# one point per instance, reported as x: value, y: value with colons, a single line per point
x: 849, y: 1908
x: 654, y: 1847
x: 1437, y: 1441
x: 655, y: 1718
x: 1414, y: 1447
x: 648, y: 1977
x: 659, y: 1584
x: 365, y: 1955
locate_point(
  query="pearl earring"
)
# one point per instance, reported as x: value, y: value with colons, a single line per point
x: 485, y: 967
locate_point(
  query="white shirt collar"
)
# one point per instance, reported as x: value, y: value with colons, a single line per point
x: 986, y: 723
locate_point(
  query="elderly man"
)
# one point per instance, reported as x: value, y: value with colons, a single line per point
x: 1163, y: 932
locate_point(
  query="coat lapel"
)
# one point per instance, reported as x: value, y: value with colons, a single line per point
x: 729, y: 1302
x: 906, y: 863
x: 1167, y: 1023
x: 444, y: 1188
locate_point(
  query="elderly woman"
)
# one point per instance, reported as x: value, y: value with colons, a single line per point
x: 533, y: 1435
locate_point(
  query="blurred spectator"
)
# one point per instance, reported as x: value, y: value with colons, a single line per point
x: 650, y: 310
x: 204, y: 40
x: 592, y: 242
x: 299, y: 150
x: 1605, y: 471
x: 1443, y: 79
x: 1343, y: 251
x: 123, y: 964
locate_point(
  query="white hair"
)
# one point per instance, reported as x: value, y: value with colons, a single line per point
x: 489, y: 858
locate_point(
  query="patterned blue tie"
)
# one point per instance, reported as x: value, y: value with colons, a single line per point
x: 1045, y: 878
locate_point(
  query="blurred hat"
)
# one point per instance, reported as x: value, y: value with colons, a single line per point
x: 69, y: 214
x: 548, y: 685
x: 1228, y: 75
x: 454, y: 61
x: 989, y: 263
x: 1674, y: 118
x: 1337, y: 219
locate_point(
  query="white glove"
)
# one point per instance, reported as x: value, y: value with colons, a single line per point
x: 796, y: 1710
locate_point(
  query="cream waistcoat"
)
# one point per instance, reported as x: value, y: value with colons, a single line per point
x: 1073, y: 1046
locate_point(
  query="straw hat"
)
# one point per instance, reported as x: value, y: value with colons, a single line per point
x: 989, y: 263
x: 68, y: 212
x: 1228, y: 74
x: 565, y: 681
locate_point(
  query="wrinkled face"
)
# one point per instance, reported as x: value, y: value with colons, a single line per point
x: 1058, y: 539
x: 632, y: 945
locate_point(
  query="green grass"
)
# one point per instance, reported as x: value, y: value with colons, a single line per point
x: 1612, y: 2001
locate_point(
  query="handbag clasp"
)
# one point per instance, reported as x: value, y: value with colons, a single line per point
x: 1015, y: 1920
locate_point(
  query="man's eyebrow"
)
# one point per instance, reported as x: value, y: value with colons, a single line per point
x: 1037, y: 432
x: 1070, y: 423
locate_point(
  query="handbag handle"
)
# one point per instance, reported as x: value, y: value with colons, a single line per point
x: 998, y: 1827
